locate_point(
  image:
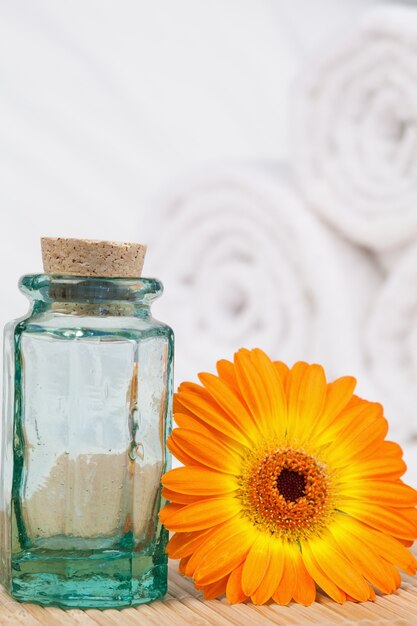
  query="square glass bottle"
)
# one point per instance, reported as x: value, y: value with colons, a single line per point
x: 86, y: 413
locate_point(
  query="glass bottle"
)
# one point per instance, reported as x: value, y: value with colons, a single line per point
x: 87, y: 409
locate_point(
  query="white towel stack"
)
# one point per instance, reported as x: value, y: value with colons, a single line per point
x: 391, y: 346
x: 355, y: 131
x: 354, y: 122
x: 245, y: 264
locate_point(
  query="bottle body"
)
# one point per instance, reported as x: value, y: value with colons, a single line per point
x: 87, y: 409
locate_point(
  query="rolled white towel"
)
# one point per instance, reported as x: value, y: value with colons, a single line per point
x: 245, y: 264
x: 355, y: 130
x: 391, y: 346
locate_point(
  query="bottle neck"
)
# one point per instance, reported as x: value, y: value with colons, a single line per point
x: 91, y: 296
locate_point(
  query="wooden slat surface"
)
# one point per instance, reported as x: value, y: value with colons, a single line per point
x: 184, y: 605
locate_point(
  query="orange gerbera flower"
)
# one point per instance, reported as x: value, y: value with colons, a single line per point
x: 287, y: 482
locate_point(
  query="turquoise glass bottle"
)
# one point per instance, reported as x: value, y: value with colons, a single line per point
x: 86, y: 413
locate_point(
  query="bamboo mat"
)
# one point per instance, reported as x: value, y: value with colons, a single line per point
x: 183, y: 605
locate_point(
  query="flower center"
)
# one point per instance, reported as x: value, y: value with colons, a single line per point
x: 287, y: 492
x: 291, y: 484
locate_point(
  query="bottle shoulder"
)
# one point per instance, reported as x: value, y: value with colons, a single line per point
x: 77, y: 326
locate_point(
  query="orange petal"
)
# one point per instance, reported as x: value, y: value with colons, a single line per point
x: 226, y: 371
x: 375, y: 467
x: 348, y: 445
x: 234, y: 590
x: 319, y: 575
x: 337, y: 567
x: 311, y: 397
x: 194, y: 479
x: 397, y: 577
x: 391, y: 449
x: 402, y: 523
x: 305, y: 588
x: 251, y: 381
x: 338, y: 395
x: 185, y: 420
x: 385, y: 546
x: 207, y: 451
x: 389, y: 493
x: 200, y: 515
x: 256, y: 564
x: 179, y: 498
x: 226, y: 530
x: 179, y: 453
x: 274, y: 389
x: 216, y: 589
x: 192, y: 422
x: 184, y: 544
x: 183, y: 564
x: 273, y: 573
x: 283, y: 370
x: 286, y: 586
x: 211, y: 412
x: 306, y: 393
x: 358, y: 415
x: 293, y: 384
x: 365, y: 560
x: 168, y: 510
x: 233, y: 551
x: 231, y: 403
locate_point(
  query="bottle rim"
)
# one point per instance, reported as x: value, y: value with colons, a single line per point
x: 51, y: 288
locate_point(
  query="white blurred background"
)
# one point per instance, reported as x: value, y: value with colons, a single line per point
x: 265, y: 150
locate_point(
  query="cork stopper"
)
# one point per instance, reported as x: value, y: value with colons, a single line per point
x: 86, y: 257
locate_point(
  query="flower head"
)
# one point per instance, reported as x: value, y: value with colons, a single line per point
x: 288, y: 482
